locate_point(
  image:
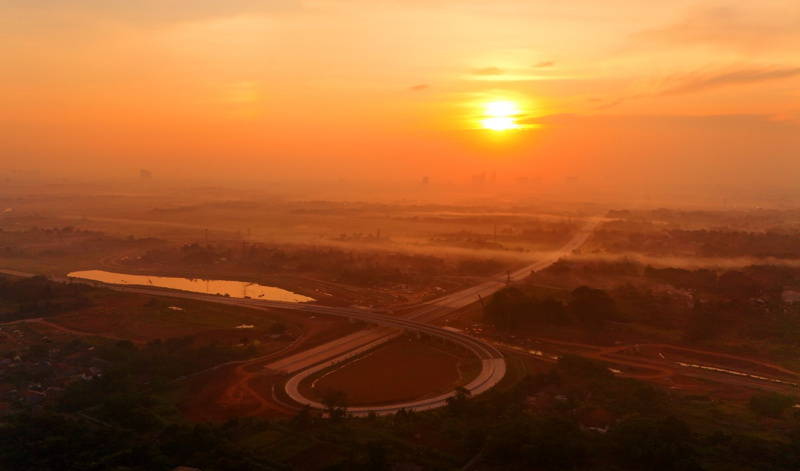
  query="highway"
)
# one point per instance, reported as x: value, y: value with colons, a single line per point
x: 386, y: 327
x: 493, y: 366
x: 301, y: 365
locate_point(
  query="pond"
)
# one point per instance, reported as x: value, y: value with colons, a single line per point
x: 234, y: 289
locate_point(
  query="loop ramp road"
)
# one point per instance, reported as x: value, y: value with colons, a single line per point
x: 302, y: 365
x: 493, y: 365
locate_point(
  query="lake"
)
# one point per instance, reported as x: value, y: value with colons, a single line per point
x: 234, y: 289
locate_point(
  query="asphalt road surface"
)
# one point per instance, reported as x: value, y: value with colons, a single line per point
x: 340, y: 350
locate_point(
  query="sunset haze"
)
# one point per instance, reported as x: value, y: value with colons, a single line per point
x: 621, y: 92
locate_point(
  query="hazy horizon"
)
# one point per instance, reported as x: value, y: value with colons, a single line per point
x: 688, y: 94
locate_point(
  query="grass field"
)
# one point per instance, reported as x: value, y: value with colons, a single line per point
x: 142, y: 318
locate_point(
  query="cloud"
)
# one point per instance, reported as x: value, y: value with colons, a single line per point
x: 420, y: 87
x: 542, y: 65
x: 154, y: 13
x: 606, y: 103
x: 488, y: 71
x: 746, y: 27
x: 696, y: 82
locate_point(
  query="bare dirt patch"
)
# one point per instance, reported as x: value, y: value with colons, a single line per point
x: 246, y: 389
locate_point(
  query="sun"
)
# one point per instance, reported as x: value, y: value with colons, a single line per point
x: 500, y: 115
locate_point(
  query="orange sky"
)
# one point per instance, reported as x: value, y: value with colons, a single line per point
x: 613, y: 91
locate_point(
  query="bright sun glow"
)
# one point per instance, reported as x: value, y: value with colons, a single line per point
x: 500, y: 115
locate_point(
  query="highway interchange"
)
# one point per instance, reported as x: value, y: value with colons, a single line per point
x: 385, y: 327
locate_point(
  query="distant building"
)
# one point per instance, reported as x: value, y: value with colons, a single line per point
x: 425, y: 180
x: 479, y: 179
x: 145, y: 174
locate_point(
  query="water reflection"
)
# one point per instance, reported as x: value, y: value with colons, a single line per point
x: 234, y: 289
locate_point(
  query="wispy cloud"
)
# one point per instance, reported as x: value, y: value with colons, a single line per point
x: 487, y: 71
x: 420, y: 87
x: 746, y: 26
x: 158, y: 12
x: 542, y: 65
x: 697, y: 82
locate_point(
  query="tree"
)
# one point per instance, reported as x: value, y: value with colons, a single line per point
x: 303, y: 418
x: 335, y: 403
x: 591, y: 307
x: 509, y: 307
x: 552, y: 311
x: 457, y: 403
x: 665, y: 445
x: 770, y: 404
x: 706, y: 321
x: 277, y: 328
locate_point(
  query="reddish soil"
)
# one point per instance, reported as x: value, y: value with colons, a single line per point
x: 406, y: 369
x: 246, y: 389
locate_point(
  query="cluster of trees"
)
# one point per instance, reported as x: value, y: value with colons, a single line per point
x: 48, y: 440
x: 745, y: 302
x: 39, y: 235
x: 589, y: 308
x: 646, y: 433
x: 122, y: 419
x: 546, y: 234
x: 144, y: 371
x: 702, y: 303
x: 58, y: 241
x: 767, y: 281
x: 763, y: 218
x: 363, y: 268
x: 120, y: 424
x: 24, y: 298
x: 555, y: 232
x: 702, y: 243
x: 468, y: 240
x: 771, y: 404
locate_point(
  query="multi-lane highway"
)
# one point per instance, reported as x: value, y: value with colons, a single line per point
x: 303, y: 364
x: 493, y: 365
x: 384, y: 327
